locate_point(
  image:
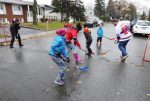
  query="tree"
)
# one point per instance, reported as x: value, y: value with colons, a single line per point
x: 121, y: 8
x: 99, y: 9
x: 143, y: 16
x: 111, y: 9
x: 77, y: 10
x: 132, y: 11
x: 35, y: 12
x: 70, y: 8
x: 58, y: 6
x: 149, y: 15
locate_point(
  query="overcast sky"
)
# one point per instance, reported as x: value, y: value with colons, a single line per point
x: 142, y: 3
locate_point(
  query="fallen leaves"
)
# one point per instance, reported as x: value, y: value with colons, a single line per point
x: 148, y: 95
x: 79, y: 82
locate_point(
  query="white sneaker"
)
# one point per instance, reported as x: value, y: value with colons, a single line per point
x: 59, y: 82
x: 124, y: 57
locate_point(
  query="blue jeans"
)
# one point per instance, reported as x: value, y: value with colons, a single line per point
x: 122, y: 46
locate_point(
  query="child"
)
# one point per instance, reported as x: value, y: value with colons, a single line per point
x: 87, y: 34
x: 59, y: 55
x: 100, y: 35
x: 72, y: 42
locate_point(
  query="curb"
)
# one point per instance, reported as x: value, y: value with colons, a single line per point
x: 33, y: 28
x: 32, y: 36
x: 36, y: 28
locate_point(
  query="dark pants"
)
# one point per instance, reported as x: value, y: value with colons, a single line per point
x: 122, y: 46
x: 88, y: 44
x: 13, y: 39
x: 99, y: 39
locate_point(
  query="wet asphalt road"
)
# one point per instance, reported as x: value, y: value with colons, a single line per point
x: 27, y: 74
x: 22, y: 31
x: 27, y: 31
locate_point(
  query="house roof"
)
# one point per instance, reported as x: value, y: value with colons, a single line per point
x: 17, y: 2
x: 49, y: 6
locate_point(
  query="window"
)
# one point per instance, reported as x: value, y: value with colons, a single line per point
x: 1, y: 7
x: 16, y: 7
x: 3, y: 20
x: 144, y: 23
x: 20, y: 19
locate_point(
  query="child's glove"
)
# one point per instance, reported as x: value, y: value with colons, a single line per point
x: 67, y: 59
x: 57, y: 54
x: 76, y: 43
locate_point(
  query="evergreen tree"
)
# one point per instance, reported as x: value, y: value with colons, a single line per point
x: 111, y: 9
x: 70, y: 8
x: 143, y: 16
x: 57, y: 5
x: 149, y: 15
x: 77, y: 10
x: 132, y: 11
x: 35, y: 12
x: 99, y: 9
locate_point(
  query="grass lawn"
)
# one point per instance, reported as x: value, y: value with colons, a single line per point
x: 1, y: 35
x: 43, y: 25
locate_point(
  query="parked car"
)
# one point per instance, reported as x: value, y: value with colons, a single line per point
x: 100, y: 22
x: 127, y: 22
x: 89, y: 24
x: 132, y: 24
x: 141, y: 27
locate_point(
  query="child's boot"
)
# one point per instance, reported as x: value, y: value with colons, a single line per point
x: 76, y: 57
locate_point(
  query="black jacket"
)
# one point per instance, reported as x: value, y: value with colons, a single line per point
x: 14, y: 27
x: 79, y: 27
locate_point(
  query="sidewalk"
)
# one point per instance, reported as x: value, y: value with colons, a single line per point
x: 28, y: 36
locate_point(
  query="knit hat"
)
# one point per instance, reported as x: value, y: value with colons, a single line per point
x: 61, y: 32
x: 100, y: 25
x: 86, y: 30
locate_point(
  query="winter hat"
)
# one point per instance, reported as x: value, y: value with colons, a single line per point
x: 100, y: 25
x: 86, y: 30
x: 61, y: 32
x: 16, y: 20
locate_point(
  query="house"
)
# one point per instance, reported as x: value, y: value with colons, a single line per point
x: 89, y: 12
x: 12, y: 9
x: 22, y: 10
x: 46, y: 11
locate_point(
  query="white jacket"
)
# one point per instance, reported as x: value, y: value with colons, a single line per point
x: 123, y: 31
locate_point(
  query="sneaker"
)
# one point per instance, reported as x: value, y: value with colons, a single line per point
x: 59, y: 82
x: 21, y: 45
x: 79, y: 60
x: 124, y: 57
x: 11, y: 47
x: 63, y: 78
x: 89, y: 54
